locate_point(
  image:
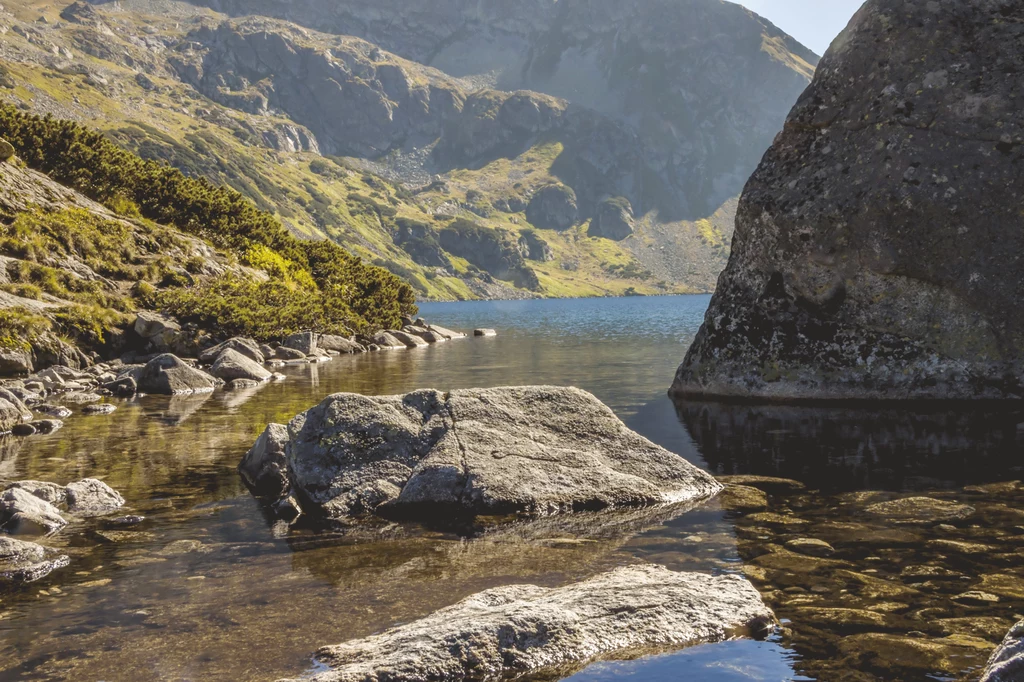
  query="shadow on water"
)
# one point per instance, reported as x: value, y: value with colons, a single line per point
x: 858, y: 447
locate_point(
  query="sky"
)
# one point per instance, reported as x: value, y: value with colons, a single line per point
x: 813, y: 22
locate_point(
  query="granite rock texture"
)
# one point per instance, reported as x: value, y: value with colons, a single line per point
x: 876, y: 252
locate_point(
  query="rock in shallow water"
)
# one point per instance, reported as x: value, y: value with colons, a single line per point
x: 536, y: 449
x: 22, y: 513
x: 24, y: 562
x: 170, y: 375
x: 231, y: 365
x: 1007, y: 663
x: 521, y: 628
x: 877, y: 245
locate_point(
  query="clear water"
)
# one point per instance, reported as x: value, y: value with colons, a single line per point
x: 208, y: 589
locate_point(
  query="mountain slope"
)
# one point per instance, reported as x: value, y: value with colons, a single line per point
x: 345, y: 140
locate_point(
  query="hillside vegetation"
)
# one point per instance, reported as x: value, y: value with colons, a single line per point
x: 166, y: 242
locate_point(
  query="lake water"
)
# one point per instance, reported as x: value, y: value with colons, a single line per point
x: 208, y: 588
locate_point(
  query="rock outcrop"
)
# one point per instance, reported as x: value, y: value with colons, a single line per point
x: 524, y: 628
x: 876, y: 246
x: 614, y: 219
x: 553, y: 208
x: 1007, y: 663
x: 536, y: 450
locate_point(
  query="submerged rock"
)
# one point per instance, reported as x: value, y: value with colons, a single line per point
x: 536, y: 449
x: 484, y: 332
x: 877, y: 246
x: 1007, y: 663
x: 923, y: 510
x: 24, y: 562
x: 522, y: 628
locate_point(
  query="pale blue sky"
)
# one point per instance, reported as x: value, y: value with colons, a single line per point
x: 813, y: 22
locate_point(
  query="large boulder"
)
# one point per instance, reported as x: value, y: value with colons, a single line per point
x: 231, y: 365
x: 877, y: 246
x: 408, y: 339
x: 386, y: 341
x: 1007, y: 662
x: 536, y: 450
x: 22, y: 513
x: 170, y: 375
x: 509, y: 631
x: 613, y: 220
x: 239, y: 344
x: 6, y: 150
x: 553, y: 208
x: 25, y: 562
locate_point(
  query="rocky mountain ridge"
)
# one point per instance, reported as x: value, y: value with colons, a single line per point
x: 666, y: 129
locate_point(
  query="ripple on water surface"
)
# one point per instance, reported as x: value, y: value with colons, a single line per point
x: 207, y: 588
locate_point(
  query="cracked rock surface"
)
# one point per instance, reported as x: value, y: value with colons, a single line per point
x: 877, y: 246
x: 536, y: 450
x: 522, y: 628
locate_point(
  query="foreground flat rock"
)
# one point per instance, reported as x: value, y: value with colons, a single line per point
x: 522, y: 628
x: 1007, y: 662
x: 876, y: 252
x: 536, y: 450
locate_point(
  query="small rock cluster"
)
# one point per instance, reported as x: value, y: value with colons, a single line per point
x: 39, y: 508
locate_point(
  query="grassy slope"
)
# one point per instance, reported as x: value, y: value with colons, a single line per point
x: 175, y: 124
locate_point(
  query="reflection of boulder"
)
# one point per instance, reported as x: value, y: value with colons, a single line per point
x: 382, y: 554
x: 180, y: 408
x: 518, y: 629
x: 853, y: 447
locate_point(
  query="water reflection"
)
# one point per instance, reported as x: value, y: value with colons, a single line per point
x: 888, y: 447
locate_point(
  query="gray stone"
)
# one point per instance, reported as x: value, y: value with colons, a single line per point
x: 446, y: 333
x: 239, y: 344
x: 124, y: 386
x: 161, y: 332
x: 47, y: 425
x: 264, y: 467
x: 303, y: 341
x: 877, y: 246
x: 409, y: 340
x: 286, y: 353
x: 386, y: 341
x: 339, y: 344
x: 22, y: 513
x: 25, y: 562
x: 15, y: 362
x: 1007, y: 662
x: 231, y: 364
x: 484, y: 332
x: 11, y: 415
x: 513, y: 630
x: 90, y: 497
x: 14, y: 399
x: 49, y: 492
x: 169, y: 375
x: 535, y: 449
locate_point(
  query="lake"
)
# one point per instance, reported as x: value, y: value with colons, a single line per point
x: 208, y: 587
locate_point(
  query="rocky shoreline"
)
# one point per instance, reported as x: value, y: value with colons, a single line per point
x: 39, y: 401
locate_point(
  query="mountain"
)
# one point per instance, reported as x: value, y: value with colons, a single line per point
x: 477, y: 149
